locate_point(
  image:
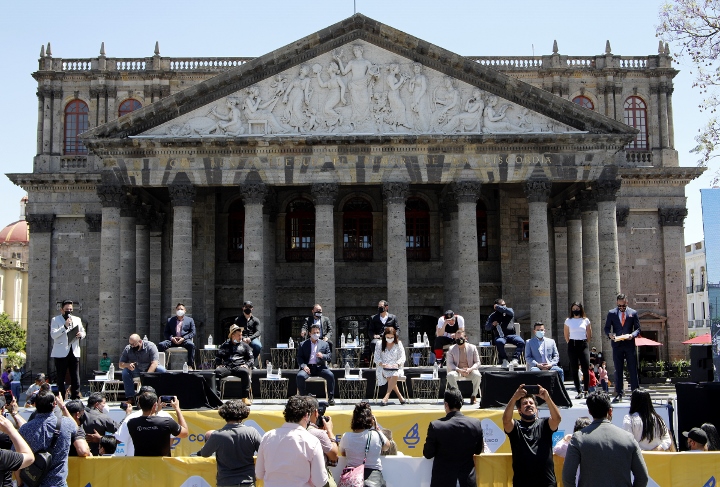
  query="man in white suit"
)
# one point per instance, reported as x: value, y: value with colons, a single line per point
x: 463, y: 360
x: 66, y: 331
x: 542, y: 353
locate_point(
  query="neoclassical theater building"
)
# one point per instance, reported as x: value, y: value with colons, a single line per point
x: 357, y: 164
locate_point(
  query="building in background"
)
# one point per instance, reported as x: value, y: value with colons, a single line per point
x: 697, y: 290
x: 710, y: 200
x: 14, y: 256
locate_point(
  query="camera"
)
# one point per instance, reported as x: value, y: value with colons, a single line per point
x: 322, y: 407
x: 167, y: 399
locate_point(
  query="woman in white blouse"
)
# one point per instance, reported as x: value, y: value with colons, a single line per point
x: 389, y: 357
x: 645, y: 424
x: 578, y: 333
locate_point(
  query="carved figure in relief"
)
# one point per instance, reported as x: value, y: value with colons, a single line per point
x: 396, y: 118
x: 278, y: 84
x: 336, y: 94
x: 195, y: 126
x: 494, y: 121
x: 362, y: 72
x: 421, y: 101
x: 257, y: 111
x: 445, y: 99
x: 297, y: 97
x: 471, y: 119
x: 380, y: 109
x: 231, y: 123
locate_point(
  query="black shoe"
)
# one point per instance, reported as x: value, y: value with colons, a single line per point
x: 617, y: 398
x: 331, y: 401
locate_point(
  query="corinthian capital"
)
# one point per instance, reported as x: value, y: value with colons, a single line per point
x: 324, y: 193
x: 40, y: 222
x: 395, y: 192
x: 537, y: 191
x: 466, y: 191
x: 253, y: 193
x: 111, y: 195
x: 182, y: 194
x: 606, y: 189
x: 672, y: 217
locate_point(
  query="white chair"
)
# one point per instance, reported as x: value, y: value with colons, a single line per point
x: 402, y: 381
x: 162, y: 359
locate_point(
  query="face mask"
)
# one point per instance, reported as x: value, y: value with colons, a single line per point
x: 136, y: 348
x: 247, y: 311
x: 66, y: 314
x: 180, y: 313
x: 318, y: 314
x: 526, y: 417
x: 540, y: 334
x: 381, y: 309
x: 316, y: 336
x: 236, y: 340
x: 460, y: 341
x: 389, y: 339
x: 576, y: 312
x: 105, y: 409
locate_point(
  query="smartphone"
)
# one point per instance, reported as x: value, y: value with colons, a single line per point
x: 167, y: 399
x: 532, y: 389
x: 8, y: 397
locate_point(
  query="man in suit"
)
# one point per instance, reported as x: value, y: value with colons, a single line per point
x: 541, y: 353
x: 605, y: 453
x: 312, y: 357
x: 317, y: 318
x: 453, y: 441
x: 378, y: 322
x: 179, y: 332
x: 67, y: 330
x: 502, y: 325
x: 463, y: 360
x: 622, y: 325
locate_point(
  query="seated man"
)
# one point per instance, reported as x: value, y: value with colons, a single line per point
x: 541, y: 353
x: 312, y: 357
x: 463, y: 360
x: 501, y: 323
x: 139, y: 356
x: 445, y: 333
x: 235, y: 357
x: 179, y: 332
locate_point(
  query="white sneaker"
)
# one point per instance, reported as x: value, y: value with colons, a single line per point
x: 515, y: 363
x: 505, y: 364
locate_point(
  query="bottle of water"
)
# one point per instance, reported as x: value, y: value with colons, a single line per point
x: 435, y: 371
x: 418, y: 338
x: 111, y: 372
x: 269, y: 369
x: 360, y: 373
x: 511, y: 367
x: 210, y: 341
x: 342, y: 340
x: 279, y: 372
x: 145, y: 338
x: 362, y: 339
x: 185, y: 368
x: 347, y: 370
x: 349, y: 338
x: 291, y: 344
x: 426, y: 341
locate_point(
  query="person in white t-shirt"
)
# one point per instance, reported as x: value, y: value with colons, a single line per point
x: 578, y: 333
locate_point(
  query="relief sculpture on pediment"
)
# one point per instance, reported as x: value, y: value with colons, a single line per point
x: 365, y: 91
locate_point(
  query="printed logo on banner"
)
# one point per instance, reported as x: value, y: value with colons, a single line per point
x: 492, y: 434
x: 412, y: 437
x: 253, y: 424
x: 195, y: 481
x: 175, y: 442
x: 710, y: 483
x: 557, y: 436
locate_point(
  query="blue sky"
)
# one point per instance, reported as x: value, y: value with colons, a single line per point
x: 241, y: 28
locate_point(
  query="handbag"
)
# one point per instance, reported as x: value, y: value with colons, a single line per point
x: 355, y: 476
x: 33, y: 475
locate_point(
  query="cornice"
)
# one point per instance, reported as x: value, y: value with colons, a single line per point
x: 56, y: 182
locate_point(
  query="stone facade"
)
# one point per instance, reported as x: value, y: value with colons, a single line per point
x: 357, y: 164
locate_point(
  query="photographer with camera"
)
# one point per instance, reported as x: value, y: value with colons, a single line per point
x: 321, y: 427
x: 151, y: 433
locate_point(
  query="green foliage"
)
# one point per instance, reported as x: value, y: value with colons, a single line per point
x: 12, y: 336
x: 692, y: 335
x: 15, y: 360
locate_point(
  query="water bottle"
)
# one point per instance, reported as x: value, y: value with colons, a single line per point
x: 426, y: 341
x: 279, y: 372
x: 360, y: 373
x: 145, y: 338
x: 342, y: 340
x: 349, y: 338
x: 362, y: 339
x: 269, y: 369
x: 347, y: 370
x: 435, y: 371
x: 185, y: 368
x: 111, y: 372
x: 511, y: 367
x: 291, y: 344
x: 210, y: 341
x: 418, y: 338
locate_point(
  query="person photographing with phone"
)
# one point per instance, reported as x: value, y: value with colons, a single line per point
x: 151, y: 433
x: 321, y: 427
x: 67, y: 330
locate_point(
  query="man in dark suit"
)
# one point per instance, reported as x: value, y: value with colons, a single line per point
x: 380, y: 321
x: 317, y: 318
x: 453, y: 441
x: 312, y: 357
x: 501, y: 322
x: 622, y: 325
x: 605, y: 453
x: 179, y: 332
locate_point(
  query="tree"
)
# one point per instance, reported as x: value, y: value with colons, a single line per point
x: 694, y: 27
x: 12, y: 336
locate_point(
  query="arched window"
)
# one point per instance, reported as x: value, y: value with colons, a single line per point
x: 636, y: 117
x: 417, y: 229
x: 300, y: 231
x: 236, y: 231
x: 357, y: 230
x: 584, y: 102
x: 482, y: 226
x: 76, y: 122
x: 128, y: 106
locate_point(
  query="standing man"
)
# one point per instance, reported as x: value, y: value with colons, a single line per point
x: 378, y: 322
x: 179, y: 332
x: 605, y: 453
x: 463, y: 360
x: 151, y: 433
x: 531, y: 438
x: 66, y: 331
x: 105, y: 362
x: 251, y: 326
x: 139, y: 356
x: 542, y: 353
x: 234, y: 357
x: 447, y: 327
x: 289, y: 455
x: 312, y: 357
x: 453, y: 441
x: 622, y: 325
x: 317, y: 318
x: 502, y: 325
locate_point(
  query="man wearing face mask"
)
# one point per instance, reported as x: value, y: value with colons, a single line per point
x: 312, y: 357
x: 622, y: 325
x: 251, y: 329
x: 179, y: 332
x: 541, y: 353
x: 463, y: 360
x: 66, y: 331
x: 138, y: 356
x: 317, y: 318
x: 501, y: 323
x: 380, y: 321
x: 96, y: 421
x: 531, y: 438
x: 235, y: 357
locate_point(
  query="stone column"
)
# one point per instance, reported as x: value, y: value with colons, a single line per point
x: 606, y: 194
x: 574, y: 254
x: 90, y: 308
x: 664, y: 136
x: 254, y: 256
x: 621, y: 216
x: 112, y: 197
x: 127, y: 268
x: 671, y: 127
x: 58, y: 122
x: 155, y: 279
x: 671, y: 220
x: 41, y: 306
x: 395, y: 195
x: 451, y: 267
x: 324, y: 195
x: 561, y: 276
x: 591, y: 266
x: 539, y: 253
x: 466, y: 194
x: 142, y: 270
x: 619, y: 102
x: 182, y: 196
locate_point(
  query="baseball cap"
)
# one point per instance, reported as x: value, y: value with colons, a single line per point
x: 449, y: 314
x: 248, y: 303
x: 696, y: 434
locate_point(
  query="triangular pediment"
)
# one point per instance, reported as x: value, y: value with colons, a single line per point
x: 358, y: 77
